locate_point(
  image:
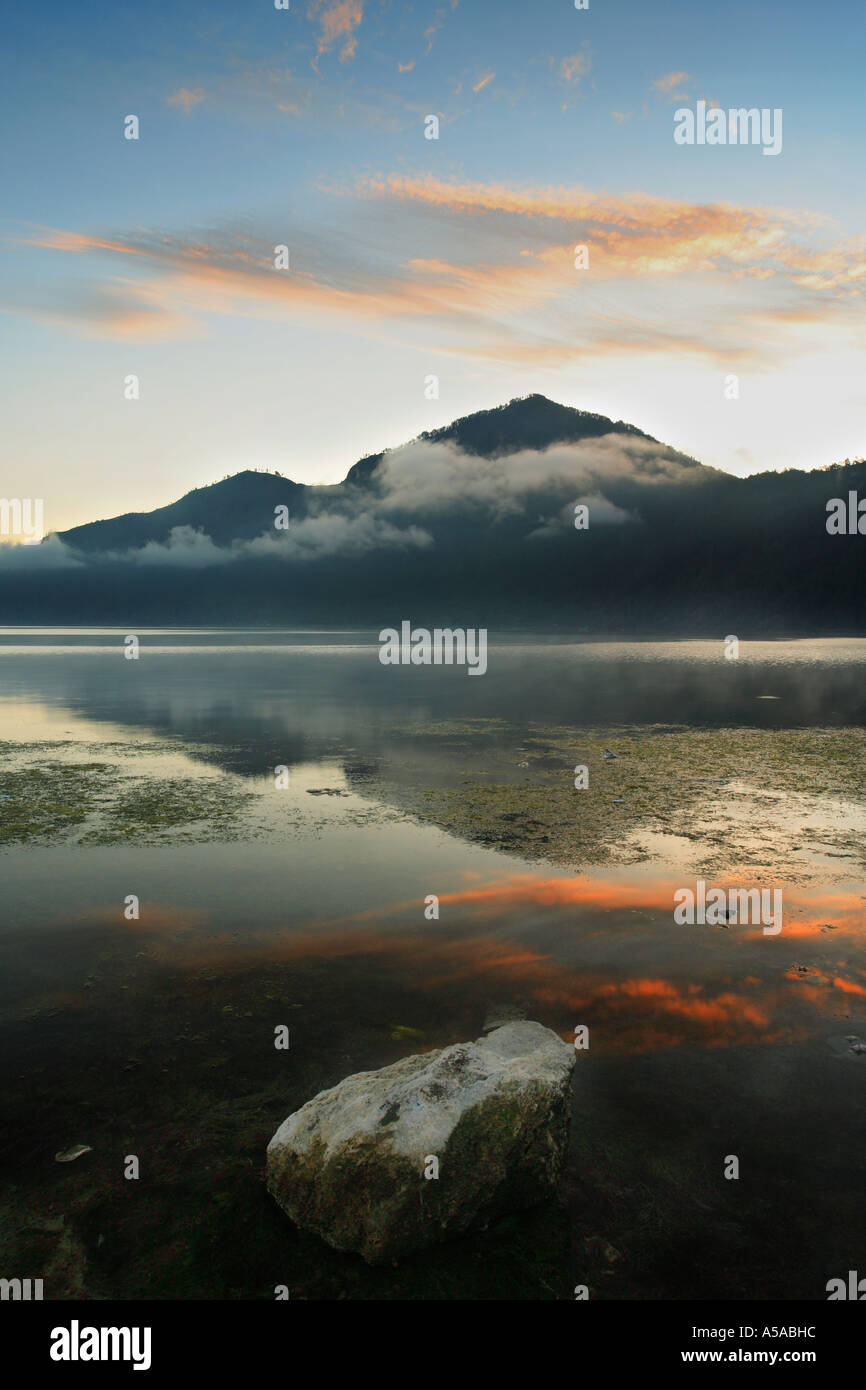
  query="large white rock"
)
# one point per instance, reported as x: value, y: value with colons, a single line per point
x: 350, y: 1164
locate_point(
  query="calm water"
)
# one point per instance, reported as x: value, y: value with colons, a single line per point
x: 154, y: 1037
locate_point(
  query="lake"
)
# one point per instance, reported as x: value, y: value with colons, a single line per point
x: 241, y: 830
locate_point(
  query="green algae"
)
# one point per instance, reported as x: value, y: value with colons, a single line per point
x: 750, y: 791
x: 48, y: 800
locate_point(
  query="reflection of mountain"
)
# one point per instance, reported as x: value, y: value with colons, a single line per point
x: 246, y: 710
x: 474, y: 525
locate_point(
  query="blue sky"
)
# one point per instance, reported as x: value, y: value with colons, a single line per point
x: 412, y: 257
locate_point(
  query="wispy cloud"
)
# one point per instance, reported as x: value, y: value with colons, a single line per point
x: 672, y: 86
x: 186, y: 98
x: 433, y: 29
x: 569, y: 72
x: 483, y: 82
x: 120, y: 308
x: 574, y: 68
x: 492, y: 274
x: 338, y: 20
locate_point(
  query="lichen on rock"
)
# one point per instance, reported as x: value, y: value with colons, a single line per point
x: 355, y: 1163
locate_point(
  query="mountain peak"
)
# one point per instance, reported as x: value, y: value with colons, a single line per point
x: 527, y: 422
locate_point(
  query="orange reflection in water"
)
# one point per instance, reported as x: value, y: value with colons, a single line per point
x: 639, y: 1011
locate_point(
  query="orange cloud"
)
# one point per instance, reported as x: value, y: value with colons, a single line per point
x: 672, y: 86
x: 121, y: 309
x: 640, y: 234
x: 483, y: 81
x: 186, y: 98
x: 209, y: 278
x: 519, y: 300
x: 338, y: 19
x: 438, y: 20
x: 574, y: 68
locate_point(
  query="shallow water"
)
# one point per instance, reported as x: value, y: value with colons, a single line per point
x: 306, y: 907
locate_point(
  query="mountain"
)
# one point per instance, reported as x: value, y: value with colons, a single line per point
x: 226, y: 511
x: 238, y: 508
x: 532, y: 515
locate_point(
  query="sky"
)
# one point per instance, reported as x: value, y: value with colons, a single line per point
x: 718, y: 305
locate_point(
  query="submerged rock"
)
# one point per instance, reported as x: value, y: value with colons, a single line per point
x: 436, y: 1145
x: 70, y: 1155
x: 851, y: 1046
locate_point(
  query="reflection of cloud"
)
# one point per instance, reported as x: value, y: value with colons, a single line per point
x: 644, y: 1014
x: 849, y: 986
x: 649, y: 1013
x: 155, y: 918
x: 437, y: 961
x: 632, y: 1010
x: 807, y: 910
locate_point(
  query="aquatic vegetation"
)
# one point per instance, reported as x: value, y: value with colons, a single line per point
x: 58, y: 800
x: 756, y: 796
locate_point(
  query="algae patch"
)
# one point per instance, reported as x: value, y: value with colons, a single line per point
x: 763, y: 798
x: 55, y: 800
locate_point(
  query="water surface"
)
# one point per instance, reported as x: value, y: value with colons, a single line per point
x: 298, y: 897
